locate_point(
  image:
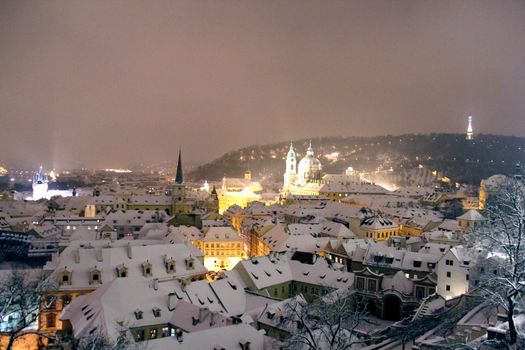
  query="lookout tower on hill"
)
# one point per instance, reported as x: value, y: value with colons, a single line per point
x: 470, y: 132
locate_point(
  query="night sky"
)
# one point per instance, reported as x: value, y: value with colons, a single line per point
x: 115, y: 83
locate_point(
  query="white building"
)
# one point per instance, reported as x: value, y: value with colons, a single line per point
x: 453, y: 272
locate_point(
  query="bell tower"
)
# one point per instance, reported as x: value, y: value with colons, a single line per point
x: 290, y: 174
x: 178, y: 191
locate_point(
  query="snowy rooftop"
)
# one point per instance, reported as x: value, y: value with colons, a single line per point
x: 80, y: 258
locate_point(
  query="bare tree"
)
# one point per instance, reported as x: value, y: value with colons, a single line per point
x: 100, y: 339
x: 21, y: 295
x: 501, y: 243
x: 328, y: 323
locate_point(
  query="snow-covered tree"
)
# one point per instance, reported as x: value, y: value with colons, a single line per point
x: 99, y: 340
x: 328, y: 323
x: 21, y: 295
x: 501, y: 244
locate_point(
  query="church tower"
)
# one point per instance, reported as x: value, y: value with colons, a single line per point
x: 290, y: 174
x: 178, y: 191
x: 470, y: 132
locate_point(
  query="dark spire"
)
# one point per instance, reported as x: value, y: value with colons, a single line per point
x: 178, y: 176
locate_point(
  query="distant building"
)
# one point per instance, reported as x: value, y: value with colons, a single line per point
x: 173, y: 203
x: 470, y: 132
x: 238, y: 191
x: 39, y: 185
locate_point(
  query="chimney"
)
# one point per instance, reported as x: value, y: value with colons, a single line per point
x: 178, y: 334
x: 213, y: 317
x: 156, y: 284
x: 130, y: 255
x: 184, y: 283
x: 99, y: 255
x: 203, y: 313
x: 172, y: 301
x: 77, y: 255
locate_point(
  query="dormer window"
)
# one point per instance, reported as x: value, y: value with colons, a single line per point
x: 156, y: 312
x: 95, y: 276
x: 378, y: 258
x: 138, y: 314
x: 190, y: 263
x: 64, y: 277
x: 122, y: 271
x: 417, y: 263
x: 146, y: 269
x: 170, y: 265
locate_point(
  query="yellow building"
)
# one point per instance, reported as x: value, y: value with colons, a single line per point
x: 378, y: 228
x: 222, y: 247
x: 488, y: 187
x: 240, y: 198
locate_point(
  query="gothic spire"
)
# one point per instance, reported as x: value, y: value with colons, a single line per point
x: 178, y: 176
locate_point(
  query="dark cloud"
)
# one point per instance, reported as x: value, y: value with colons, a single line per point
x: 117, y: 82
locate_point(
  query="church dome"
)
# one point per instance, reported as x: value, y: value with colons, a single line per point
x: 309, y: 167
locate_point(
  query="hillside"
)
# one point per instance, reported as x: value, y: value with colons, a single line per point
x: 398, y: 157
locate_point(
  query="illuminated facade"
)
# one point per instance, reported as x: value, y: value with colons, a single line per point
x: 297, y: 177
x: 238, y: 191
x: 222, y: 247
x: 309, y: 168
x: 290, y: 174
x: 240, y: 198
x: 378, y: 228
x: 39, y: 185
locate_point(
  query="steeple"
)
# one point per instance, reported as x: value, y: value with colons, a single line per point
x: 310, y: 150
x: 290, y: 173
x: 178, y: 176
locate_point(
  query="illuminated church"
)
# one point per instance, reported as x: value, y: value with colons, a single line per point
x: 308, y: 170
x: 306, y: 179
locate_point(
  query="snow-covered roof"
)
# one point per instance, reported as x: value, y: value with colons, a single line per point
x: 146, y: 199
x: 102, y: 200
x: 214, y: 234
x: 229, y: 337
x: 279, y: 240
x: 398, y: 282
x: 344, y: 187
x: 378, y: 222
x: 391, y: 257
x: 117, y: 301
x: 81, y: 257
x: 471, y: 215
x: 322, y: 229
x: 450, y: 225
x: 135, y: 217
x: 267, y: 271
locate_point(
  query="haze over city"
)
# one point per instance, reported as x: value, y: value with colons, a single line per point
x: 260, y: 175
x: 116, y: 83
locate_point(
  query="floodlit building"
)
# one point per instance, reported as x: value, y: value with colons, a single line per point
x: 453, y: 272
x: 40, y: 185
x: 378, y: 228
x: 222, y: 247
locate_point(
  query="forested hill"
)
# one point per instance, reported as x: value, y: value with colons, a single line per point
x: 449, y: 154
